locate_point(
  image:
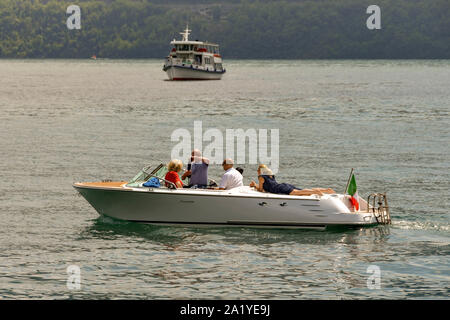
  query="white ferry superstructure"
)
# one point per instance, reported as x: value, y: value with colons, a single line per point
x: 193, y: 60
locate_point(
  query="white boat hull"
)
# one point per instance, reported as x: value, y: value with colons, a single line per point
x: 222, y: 208
x: 185, y: 73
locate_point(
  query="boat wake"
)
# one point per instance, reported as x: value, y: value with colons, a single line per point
x: 421, y: 225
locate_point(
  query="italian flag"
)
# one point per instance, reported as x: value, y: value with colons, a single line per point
x: 353, y: 192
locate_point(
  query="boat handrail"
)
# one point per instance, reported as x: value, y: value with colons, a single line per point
x: 212, y: 182
x: 154, y: 170
x: 384, y: 216
x: 170, y: 183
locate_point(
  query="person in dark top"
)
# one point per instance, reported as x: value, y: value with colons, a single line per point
x: 267, y: 183
x: 197, y: 170
x: 241, y: 171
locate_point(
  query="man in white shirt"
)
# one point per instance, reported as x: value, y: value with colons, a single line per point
x: 232, y: 178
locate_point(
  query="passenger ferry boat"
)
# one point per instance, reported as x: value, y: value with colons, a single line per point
x: 193, y: 60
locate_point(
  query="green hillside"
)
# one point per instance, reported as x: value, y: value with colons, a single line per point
x: 244, y: 28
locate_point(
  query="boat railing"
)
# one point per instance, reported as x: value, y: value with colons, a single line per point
x: 377, y: 204
x: 145, y: 175
x: 169, y: 183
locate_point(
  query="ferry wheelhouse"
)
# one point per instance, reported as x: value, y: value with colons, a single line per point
x: 193, y: 60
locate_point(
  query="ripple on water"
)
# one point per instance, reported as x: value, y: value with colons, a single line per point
x: 331, y: 116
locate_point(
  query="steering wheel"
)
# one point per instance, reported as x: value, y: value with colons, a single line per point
x: 212, y: 183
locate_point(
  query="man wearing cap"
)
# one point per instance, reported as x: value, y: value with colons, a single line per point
x: 232, y: 178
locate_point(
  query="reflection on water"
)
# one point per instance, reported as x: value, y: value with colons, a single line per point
x: 109, y: 228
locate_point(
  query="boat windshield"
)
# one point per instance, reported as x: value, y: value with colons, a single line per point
x: 146, y: 173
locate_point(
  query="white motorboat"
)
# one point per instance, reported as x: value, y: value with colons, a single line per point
x: 242, y: 206
x: 193, y: 60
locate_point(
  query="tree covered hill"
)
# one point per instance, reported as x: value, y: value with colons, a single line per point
x: 266, y: 29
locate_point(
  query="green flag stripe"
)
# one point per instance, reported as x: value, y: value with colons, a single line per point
x: 352, y: 186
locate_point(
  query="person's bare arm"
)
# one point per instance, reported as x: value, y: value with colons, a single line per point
x: 258, y: 186
x: 187, y: 173
x: 222, y: 184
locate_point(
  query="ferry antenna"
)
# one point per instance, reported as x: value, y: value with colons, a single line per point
x: 186, y: 33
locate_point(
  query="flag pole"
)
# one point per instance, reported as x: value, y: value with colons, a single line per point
x: 348, y: 182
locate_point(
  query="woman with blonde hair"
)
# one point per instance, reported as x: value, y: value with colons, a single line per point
x: 267, y: 183
x: 174, y: 167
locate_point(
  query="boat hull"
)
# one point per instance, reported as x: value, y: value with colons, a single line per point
x: 187, y: 73
x: 221, y: 209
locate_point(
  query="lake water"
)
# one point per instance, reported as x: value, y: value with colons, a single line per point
x: 64, y: 121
